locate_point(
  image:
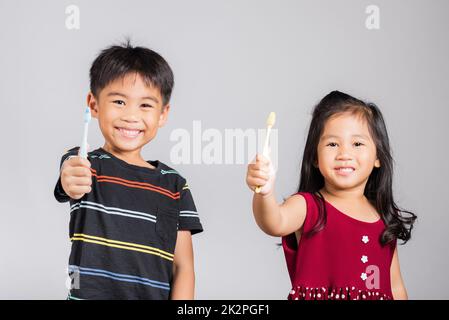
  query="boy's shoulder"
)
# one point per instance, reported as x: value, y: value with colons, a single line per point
x: 170, y: 176
x: 69, y: 153
x: 168, y: 171
x: 90, y: 155
x: 72, y: 151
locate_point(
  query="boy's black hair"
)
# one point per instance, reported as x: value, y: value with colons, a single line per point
x: 117, y: 61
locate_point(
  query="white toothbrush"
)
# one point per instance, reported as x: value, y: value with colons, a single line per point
x: 270, y: 123
x: 83, y: 148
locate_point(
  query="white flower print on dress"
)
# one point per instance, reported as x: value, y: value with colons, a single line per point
x: 365, y: 239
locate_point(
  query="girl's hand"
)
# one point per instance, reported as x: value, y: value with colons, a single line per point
x: 261, y: 173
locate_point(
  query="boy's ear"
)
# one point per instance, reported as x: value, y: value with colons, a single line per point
x: 164, y: 115
x: 377, y: 163
x: 93, y: 105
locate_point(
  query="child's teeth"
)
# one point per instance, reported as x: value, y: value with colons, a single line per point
x: 130, y: 133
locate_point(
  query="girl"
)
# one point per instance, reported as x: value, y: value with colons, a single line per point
x: 339, y: 231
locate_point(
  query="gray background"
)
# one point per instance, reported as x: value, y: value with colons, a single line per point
x: 234, y: 62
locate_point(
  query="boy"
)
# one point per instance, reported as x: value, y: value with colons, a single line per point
x: 131, y: 220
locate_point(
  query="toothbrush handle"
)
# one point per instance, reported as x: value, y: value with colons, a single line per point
x: 265, y: 153
x: 267, y: 139
x: 83, y: 148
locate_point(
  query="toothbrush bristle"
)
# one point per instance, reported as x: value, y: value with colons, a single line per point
x: 271, y: 119
x: 87, y: 115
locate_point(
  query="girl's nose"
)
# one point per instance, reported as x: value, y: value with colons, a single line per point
x: 343, y: 154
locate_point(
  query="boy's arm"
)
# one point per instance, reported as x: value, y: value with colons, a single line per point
x: 397, y: 284
x: 183, y: 287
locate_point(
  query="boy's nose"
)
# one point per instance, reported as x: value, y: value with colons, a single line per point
x: 130, y: 117
x: 130, y: 113
x: 131, y: 120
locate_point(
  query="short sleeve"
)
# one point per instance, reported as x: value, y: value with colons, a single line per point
x: 188, y: 215
x: 59, y: 192
x: 312, y: 203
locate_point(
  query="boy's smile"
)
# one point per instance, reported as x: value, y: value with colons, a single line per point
x: 129, y: 133
x: 129, y: 113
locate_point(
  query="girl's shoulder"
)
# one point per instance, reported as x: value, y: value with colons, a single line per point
x: 302, y: 203
x: 296, y: 199
x: 307, y: 198
x: 309, y: 204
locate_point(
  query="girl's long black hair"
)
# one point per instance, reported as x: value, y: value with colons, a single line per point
x: 378, y: 190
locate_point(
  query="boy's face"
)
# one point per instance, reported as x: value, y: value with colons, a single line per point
x: 129, y: 113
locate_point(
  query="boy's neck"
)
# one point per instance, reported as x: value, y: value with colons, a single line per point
x: 132, y: 157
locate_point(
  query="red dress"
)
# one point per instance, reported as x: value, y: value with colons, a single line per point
x: 345, y: 260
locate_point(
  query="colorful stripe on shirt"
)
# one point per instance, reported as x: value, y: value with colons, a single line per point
x: 188, y: 213
x: 119, y: 276
x: 112, y: 210
x: 135, y: 184
x: 122, y: 245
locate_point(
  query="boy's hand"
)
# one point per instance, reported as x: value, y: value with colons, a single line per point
x: 76, y: 178
x: 261, y: 173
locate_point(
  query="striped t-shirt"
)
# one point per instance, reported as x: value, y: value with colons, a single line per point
x: 124, y: 231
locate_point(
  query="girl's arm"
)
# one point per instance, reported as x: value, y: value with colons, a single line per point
x: 274, y: 219
x: 183, y: 271
x: 397, y: 284
x: 279, y: 220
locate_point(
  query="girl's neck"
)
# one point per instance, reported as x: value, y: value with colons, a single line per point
x: 350, y: 201
x: 352, y: 194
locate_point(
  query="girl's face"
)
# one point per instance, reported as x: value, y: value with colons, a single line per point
x: 346, y: 152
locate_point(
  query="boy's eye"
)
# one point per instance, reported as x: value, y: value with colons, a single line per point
x: 147, y: 105
x: 358, y: 144
x: 119, y: 102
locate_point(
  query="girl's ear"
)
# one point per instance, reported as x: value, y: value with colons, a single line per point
x: 377, y: 163
x: 93, y: 105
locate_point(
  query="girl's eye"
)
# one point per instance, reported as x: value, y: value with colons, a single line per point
x: 331, y: 144
x: 358, y: 144
x: 119, y: 102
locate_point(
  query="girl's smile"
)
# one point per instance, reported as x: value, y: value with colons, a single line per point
x: 344, y: 171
